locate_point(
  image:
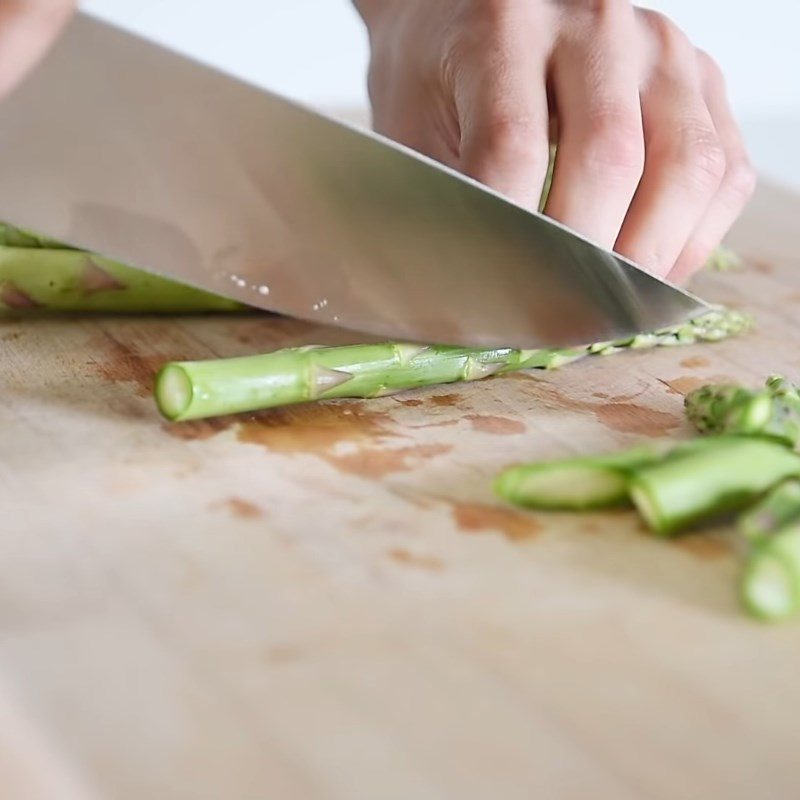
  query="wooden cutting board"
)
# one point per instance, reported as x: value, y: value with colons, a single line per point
x: 328, y: 602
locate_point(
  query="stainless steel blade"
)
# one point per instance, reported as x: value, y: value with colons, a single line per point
x: 123, y: 147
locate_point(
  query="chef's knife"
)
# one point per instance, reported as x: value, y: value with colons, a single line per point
x: 123, y: 147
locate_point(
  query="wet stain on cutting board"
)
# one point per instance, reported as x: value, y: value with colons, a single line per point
x: 705, y: 547
x: 499, y: 426
x: 239, y: 508
x: 695, y: 362
x: 688, y: 383
x: 124, y: 364
x: 625, y: 417
x: 632, y: 418
x: 764, y: 267
x: 316, y: 428
x: 444, y: 400
x: 416, y: 560
x: 198, y: 430
x: 370, y: 463
x: 479, y: 518
x: 319, y: 430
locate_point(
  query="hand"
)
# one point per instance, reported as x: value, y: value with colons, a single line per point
x: 650, y: 159
x: 27, y: 28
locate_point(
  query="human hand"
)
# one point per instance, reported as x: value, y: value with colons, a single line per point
x: 27, y: 28
x: 650, y: 159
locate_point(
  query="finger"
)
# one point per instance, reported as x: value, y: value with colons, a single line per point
x: 684, y: 159
x: 501, y: 103
x: 27, y: 28
x: 737, y: 185
x: 601, y: 142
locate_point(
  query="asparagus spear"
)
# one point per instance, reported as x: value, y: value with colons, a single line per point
x: 17, y: 237
x: 197, y: 389
x: 576, y: 484
x: 702, y: 482
x: 69, y: 280
x: 778, y: 509
x: 770, y: 587
x: 773, y: 411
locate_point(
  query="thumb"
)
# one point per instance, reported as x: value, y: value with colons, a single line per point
x: 27, y: 28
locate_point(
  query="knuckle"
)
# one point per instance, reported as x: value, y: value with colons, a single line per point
x: 486, y: 12
x: 699, y: 156
x: 709, y: 69
x: 669, y: 37
x: 694, y: 255
x: 741, y: 177
x: 511, y: 136
x: 617, y: 139
x: 708, y: 162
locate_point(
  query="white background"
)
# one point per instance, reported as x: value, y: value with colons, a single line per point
x: 316, y: 51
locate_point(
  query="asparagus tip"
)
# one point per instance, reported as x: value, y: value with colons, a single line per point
x: 173, y: 391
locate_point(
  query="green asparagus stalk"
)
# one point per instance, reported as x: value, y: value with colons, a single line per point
x: 17, y: 237
x: 34, y: 279
x: 702, y: 482
x: 574, y: 484
x: 198, y: 389
x: 770, y: 587
x: 193, y: 390
x: 773, y: 411
x: 778, y: 509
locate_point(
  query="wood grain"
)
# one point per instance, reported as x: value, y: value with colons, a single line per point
x: 327, y: 601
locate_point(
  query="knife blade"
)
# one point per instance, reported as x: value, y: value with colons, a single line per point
x: 126, y: 148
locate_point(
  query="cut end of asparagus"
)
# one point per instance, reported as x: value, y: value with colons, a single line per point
x: 567, y: 487
x: 648, y: 509
x: 173, y: 391
x: 769, y: 587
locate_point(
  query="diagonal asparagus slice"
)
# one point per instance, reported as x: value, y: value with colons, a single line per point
x: 705, y: 481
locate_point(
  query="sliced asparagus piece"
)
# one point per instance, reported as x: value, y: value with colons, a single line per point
x: 778, y: 509
x: 197, y: 389
x: 773, y: 411
x: 770, y: 587
x: 576, y: 484
x: 701, y: 482
x: 585, y: 482
x: 70, y: 280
